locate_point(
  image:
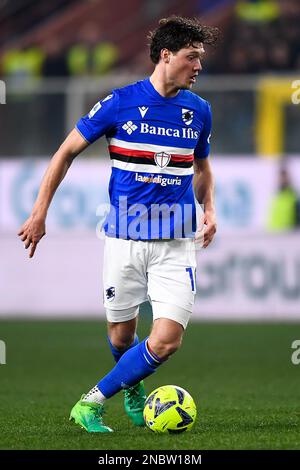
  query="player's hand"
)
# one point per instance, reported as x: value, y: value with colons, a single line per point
x: 31, y: 232
x: 211, y: 227
x: 207, y: 233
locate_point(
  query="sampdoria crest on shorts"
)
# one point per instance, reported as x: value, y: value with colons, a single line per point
x: 162, y: 159
x: 110, y: 294
x: 187, y: 116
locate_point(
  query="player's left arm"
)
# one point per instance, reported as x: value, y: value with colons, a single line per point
x: 204, y: 192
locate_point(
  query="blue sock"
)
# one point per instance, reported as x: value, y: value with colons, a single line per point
x: 117, y: 353
x: 134, y: 365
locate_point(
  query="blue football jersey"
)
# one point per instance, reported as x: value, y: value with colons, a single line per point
x: 152, y: 141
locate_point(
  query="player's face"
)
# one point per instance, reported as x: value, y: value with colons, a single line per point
x: 185, y: 65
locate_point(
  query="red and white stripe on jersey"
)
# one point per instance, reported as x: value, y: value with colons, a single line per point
x: 134, y: 156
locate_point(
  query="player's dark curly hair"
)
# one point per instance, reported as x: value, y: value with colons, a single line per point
x: 176, y: 32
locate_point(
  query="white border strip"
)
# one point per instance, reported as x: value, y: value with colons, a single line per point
x: 149, y: 147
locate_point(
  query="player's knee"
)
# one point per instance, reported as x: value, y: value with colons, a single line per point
x: 121, y: 342
x: 165, y: 349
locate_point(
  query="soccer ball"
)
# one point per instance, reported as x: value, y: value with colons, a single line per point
x: 170, y: 409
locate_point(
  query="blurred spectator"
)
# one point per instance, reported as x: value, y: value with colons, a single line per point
x: 90, y: 55
x: 279, y: 56
x: 285, y: 207
x: 263, y: 36
x: 289, y: 27
x: 238, y: 61
x: 55, y: 62
x: 23, y: 64
x: 152, y: 9
x: 258, y: 59
x: 259, y: 36
x: 260, y: 11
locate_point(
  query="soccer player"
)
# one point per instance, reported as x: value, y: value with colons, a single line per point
x: 158, y: 135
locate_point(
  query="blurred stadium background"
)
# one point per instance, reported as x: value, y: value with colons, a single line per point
x: 57, y: 59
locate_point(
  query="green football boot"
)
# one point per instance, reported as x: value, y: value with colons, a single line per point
x: 134, y: 402
x: 89, y: 416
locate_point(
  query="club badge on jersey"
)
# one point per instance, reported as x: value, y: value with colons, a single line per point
x: 187, y: 116
x: 162, y: 159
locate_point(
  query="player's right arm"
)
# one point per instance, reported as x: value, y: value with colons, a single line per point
x: 35, y: 226
x: 100, y: 120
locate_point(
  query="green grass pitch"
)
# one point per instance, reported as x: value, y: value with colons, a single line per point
x: 241, y: 377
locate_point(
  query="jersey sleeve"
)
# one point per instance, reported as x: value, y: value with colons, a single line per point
x: 101, y: 118
x: 203, y: 145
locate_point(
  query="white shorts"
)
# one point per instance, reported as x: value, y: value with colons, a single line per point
x: 161, y: 271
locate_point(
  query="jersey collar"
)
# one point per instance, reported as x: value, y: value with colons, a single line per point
x: 152, y: 91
